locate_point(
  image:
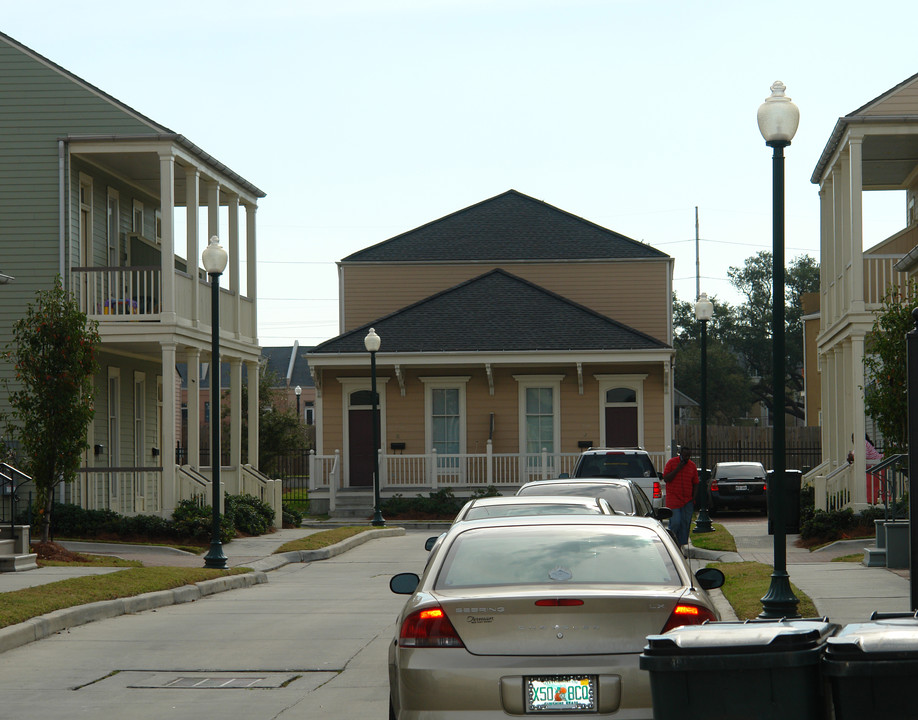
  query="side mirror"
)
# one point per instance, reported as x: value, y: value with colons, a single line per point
x: 710, y: 578
x: 407, y: 583
x: 430, y: 542
x: 663, y: 513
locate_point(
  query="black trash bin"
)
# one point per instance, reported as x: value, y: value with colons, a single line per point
x: 755, y: 670
x: 871, y: 667
x: 791, y: 497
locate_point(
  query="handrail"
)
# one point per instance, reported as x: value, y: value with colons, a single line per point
x: 5, y: 468
x: 837, y: 471
x: 892, y: 463
x: 891, y: 460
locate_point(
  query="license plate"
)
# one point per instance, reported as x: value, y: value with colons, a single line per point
x: 561, y: 693
x: 741, y: 488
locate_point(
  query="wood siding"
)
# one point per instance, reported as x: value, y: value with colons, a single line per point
x: 635, y: 293
x: 902, y: 102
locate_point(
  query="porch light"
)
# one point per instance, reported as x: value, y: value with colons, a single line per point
x: 214, y: 257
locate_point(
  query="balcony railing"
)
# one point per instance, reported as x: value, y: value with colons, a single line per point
x: 118, y: 293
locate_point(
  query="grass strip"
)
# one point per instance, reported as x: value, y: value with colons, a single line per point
x: 746, y: 585
x: 21, y: 605
x: 91, y: 561
x: 854, y: 557
x: 322, y: 539
x: 720, y: 540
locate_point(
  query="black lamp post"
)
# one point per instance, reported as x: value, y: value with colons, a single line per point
x: 704, y: 311
x: 911, y: 349
x: 214, y: 260
x: 778, y: 118
x: 298, y: 391
x: 372, y: 342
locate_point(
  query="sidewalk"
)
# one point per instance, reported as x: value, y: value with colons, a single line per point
x: 845, y: 592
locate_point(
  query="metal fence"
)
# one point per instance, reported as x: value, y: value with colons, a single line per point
x: 803, y: 445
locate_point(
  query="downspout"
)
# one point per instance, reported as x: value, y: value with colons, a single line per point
x: 60, y: 210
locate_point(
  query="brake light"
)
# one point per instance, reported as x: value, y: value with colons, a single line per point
x: 657, y: 492
x: 713, y: 485
x: 686, y: 614
x: 428, y: 628
x: 559, y: 602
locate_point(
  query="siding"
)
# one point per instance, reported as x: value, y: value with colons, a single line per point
x: 903, y: 102
x: 635, y: 293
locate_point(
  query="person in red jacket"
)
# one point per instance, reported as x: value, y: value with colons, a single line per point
x: 681, y: 476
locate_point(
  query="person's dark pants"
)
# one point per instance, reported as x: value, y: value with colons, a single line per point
x: 681, y: 522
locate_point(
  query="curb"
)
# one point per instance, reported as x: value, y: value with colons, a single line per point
x: 43, y: 626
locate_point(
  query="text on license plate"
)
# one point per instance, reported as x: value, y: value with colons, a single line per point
x: 741, y: 488
x: 560, y: 692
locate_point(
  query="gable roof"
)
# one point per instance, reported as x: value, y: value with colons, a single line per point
x: 157, y: 130
x: 898, y: 104
x: 494, y: 312
x: 510, y: 226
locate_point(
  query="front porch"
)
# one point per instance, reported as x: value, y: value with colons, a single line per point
x: 331, y: 491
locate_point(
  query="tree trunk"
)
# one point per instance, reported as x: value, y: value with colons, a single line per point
x: 46, y: 519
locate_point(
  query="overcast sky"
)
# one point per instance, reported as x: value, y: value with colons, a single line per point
x: 362, y: 119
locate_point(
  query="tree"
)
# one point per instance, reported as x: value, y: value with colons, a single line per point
x: 279, y: 429
x: 752, y: 338
x: 53, y: 356
x: 886, y: 366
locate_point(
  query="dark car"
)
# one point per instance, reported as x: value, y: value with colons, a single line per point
x: 625, y: 496
x: 738, y: 486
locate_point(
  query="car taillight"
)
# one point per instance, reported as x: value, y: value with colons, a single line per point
x: 713, y: 485
x: 429, y: 628
x: 559, y: 602
x: 657, y: 492
x: 686, y: 614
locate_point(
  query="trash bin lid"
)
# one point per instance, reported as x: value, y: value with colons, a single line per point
x: 887, y: 638
x: 736, y: 637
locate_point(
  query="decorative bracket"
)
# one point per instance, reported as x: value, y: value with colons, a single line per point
x: 401, y: 379
x: 580, y: 377
x: 490, y: 378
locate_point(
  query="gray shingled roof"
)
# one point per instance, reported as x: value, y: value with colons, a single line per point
x: 510, y: 226
x: 495, y: 312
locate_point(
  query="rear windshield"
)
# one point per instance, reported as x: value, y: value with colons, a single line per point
x: 739, y: 472
x: 487, y: 511
x: 618, y: 496
x: 557, y: 556
x: 615, y: 466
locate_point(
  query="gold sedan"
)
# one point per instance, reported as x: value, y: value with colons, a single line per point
x: 540, y: 616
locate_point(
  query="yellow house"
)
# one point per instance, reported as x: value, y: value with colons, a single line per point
x: 513, y: 336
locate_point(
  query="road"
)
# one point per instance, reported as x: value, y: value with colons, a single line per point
x: 310, y: 643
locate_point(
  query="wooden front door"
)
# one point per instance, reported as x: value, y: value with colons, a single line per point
x: 621, y: 427
x: 360, y: 443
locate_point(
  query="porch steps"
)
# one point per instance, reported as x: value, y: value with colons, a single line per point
x: 353, y: 505
x: 10, y: 561
x: 874, y: 557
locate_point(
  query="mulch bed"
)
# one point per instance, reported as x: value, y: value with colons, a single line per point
x: 853, y: 534
x: 53, y: 551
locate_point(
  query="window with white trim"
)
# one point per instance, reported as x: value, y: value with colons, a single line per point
x: 140, y: 411
x: 114, y: 434
x: 137, y: 217
x: 445, y: 419
x: 540, y: 417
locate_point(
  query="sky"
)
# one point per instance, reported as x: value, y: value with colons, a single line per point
x: 363, y: 119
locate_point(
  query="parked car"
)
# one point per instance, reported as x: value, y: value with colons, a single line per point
x: 738, y: 486
x: 549, y: 613
x: 624, y: 464
x: 625, y: 496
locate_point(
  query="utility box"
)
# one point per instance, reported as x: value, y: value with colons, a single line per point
x: 754, y: 670
x: 790, y: 496
x: 871, y: 667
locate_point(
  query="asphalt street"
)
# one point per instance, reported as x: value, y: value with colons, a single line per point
x: 309, y: 643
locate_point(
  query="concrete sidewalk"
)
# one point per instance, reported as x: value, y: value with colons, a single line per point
x: 845, y: 592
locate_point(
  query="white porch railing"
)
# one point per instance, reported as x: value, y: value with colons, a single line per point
x: 269, y: 491
x: 126, y: 490
x: 122, y: 293
x: 399, y: 472
x: 192, y: 485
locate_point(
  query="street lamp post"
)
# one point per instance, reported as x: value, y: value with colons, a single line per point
x: 214, y: 261
x: 298, y: 391
x: 704, y: 311
x: 778, y: 118
x: 372, y: 342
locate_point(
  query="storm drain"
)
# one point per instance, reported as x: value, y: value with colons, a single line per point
x: 212, y: 681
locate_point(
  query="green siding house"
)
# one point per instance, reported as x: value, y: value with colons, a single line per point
x: 118, y: 206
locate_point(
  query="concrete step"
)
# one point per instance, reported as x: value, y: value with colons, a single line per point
x: 874, y: 557
x: 18, y: 563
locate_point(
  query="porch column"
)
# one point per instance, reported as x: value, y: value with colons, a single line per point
x: 856, y: 380
x: 193, y: 359
x: 233, y: 250
x: 825, y: 223
x: 252, y: 371
x: 856, y: 223
x: 251, y: 284
x: 192, y: 203
x: 236, y: 419
x: 830, y: 414
x: 213, y: 209
x: 167, y: 211
x: 837, y: 243
x: 170, y: 402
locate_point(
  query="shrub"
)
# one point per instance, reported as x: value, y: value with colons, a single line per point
x: 292, y: 516
x: 189, y: 520
x: 489, y: 491
x: 248, y: 514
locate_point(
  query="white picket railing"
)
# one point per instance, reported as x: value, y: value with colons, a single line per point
x: 123, y: 293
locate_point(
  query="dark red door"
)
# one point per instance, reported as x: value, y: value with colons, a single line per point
x: 621, y: 427
x: 360, y: 453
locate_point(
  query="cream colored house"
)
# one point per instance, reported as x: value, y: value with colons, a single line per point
x: 874, y: 148
x: 514, y: 335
